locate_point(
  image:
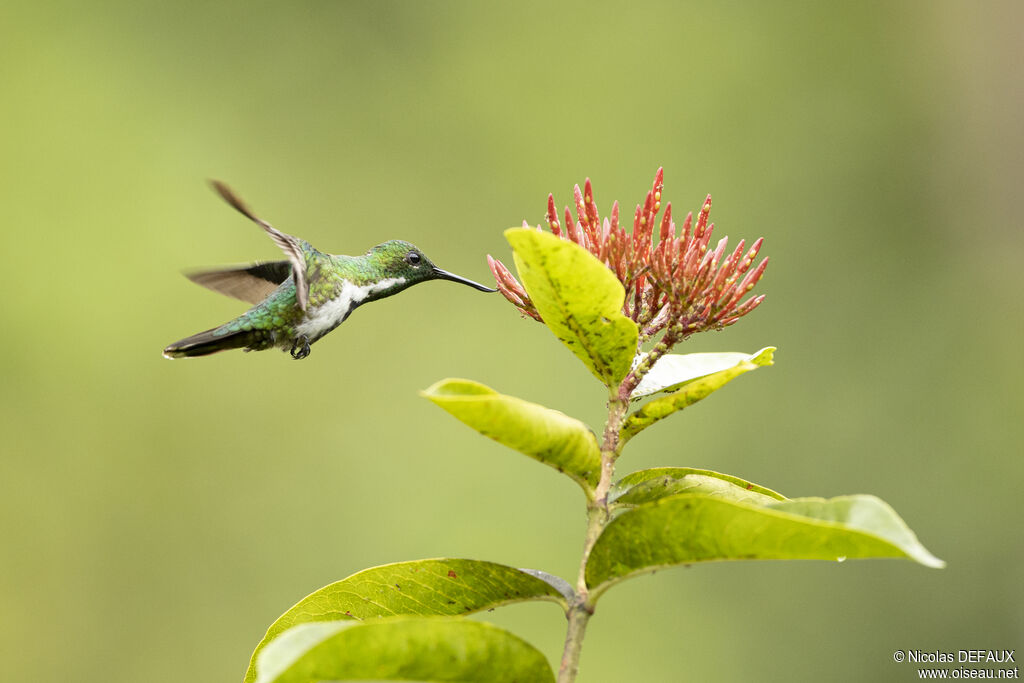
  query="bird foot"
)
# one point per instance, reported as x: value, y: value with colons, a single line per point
x: 300, y: 349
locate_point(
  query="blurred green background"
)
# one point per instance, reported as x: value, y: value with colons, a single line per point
x: 156, y: 516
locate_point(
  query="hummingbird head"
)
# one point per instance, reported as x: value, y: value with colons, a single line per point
x: 400, y: 259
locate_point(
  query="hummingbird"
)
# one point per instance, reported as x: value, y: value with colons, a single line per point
x: 301, y: 299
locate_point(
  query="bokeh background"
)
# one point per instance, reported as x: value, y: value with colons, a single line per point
x: 156, y: 516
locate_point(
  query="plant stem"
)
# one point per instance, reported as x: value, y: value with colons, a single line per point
x: 598, y: 516
x: 578, y: 615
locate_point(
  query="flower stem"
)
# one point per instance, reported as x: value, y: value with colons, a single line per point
x: 598, y: 516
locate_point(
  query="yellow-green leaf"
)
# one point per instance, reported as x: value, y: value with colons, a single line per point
x: 580, y: 300
x: 645, y: 486
x: 436, y: 587
x: 544, y: 434
x: 401, y: 649
x: 687, y: 528
x: 672, y: 370
x: 690, y: 392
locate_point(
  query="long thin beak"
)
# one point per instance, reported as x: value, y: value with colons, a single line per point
x: 445, y: 275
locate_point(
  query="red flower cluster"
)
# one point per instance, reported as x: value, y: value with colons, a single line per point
x: 677, y: 285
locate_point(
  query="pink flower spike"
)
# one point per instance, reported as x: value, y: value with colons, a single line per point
x: 574, y: 232
x: 502, y: 276
x: 604, y: 243
x: 668, y: 228
x: 748, y: 283
x: 724, y: 269
x: 751, y: 255
x: 702, y: 218
x: 703, y: 277
x: 753, y: 276
x: 581, y: 208
x: 719, y: 250
x: 553, y: 216
x: 592, y: 216
x: 686, y: 235
x: 727, y: 271
x: 749, y: 305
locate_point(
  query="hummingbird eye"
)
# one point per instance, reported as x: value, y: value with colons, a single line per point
x: 413, y: 258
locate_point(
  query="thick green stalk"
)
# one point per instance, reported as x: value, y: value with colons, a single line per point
x: 578, y: 616
x: 598, y: 516
x: 598, y: 513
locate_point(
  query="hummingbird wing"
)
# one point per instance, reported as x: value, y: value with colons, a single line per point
x: 291, y: 246
x: 251, y: 284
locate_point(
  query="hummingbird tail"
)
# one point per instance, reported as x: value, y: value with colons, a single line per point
x: 205, y: 343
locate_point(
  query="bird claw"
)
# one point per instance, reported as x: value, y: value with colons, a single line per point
x: 300, y: 349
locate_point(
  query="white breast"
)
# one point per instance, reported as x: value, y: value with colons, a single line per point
x: 325, y: 317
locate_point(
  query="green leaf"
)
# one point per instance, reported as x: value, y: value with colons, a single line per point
x: 402, y: 649
x: 672, y: 370
x: 865, y: 513
x: 544, y: 434
x: 689, y: 393
x: 580, y: 300
x: 688, y: 528
x: 646, y: 486
x: 436, y: 587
